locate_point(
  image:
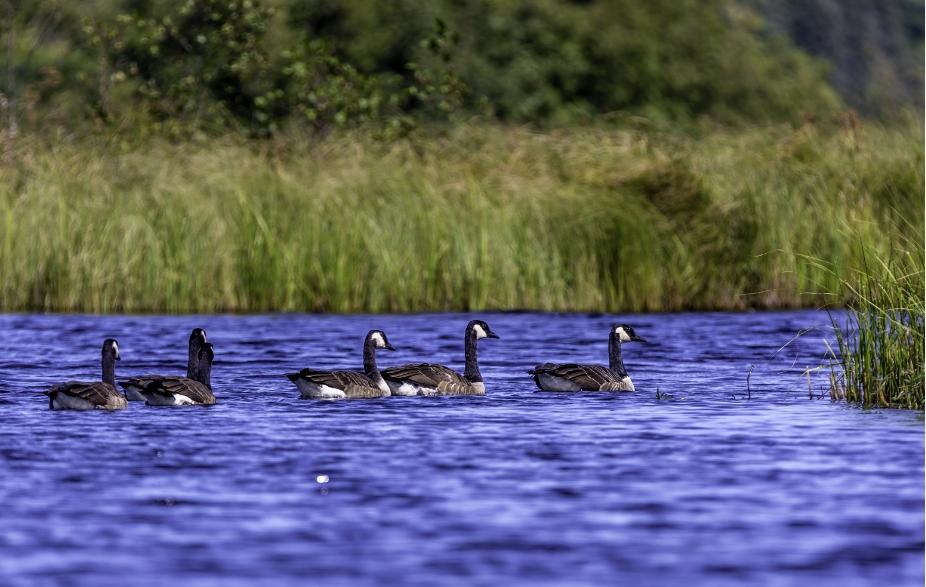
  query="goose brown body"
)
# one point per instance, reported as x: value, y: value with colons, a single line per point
x: 431, y: 379
x: 81, y: 395
x: 178, y: 391
x: 576, y: 377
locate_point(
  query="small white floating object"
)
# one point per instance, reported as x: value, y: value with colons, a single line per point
x: 321, y: 479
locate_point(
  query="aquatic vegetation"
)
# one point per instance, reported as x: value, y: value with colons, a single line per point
x: 479, y: 217
x: 881, y: 350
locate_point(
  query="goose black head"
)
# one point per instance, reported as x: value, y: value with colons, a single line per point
x: 480, y: 329
x: 207, y: 353
x: 379, y: 340
x: 198, y: 333
x: 625, y: 333
x: 111, y: 346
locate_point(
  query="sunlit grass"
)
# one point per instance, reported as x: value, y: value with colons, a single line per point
x: 482, y: 217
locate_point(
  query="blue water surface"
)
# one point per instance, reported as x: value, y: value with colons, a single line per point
x: 700, y: 486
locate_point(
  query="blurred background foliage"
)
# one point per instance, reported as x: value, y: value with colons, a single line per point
x: 262, y: 66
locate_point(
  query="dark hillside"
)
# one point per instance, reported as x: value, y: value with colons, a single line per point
x: 875, y: 47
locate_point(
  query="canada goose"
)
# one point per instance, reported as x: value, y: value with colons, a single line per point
x: 574, y: 377
x: 432, y: 379
x: 183, y: 391
x: 314, y: 384
x: 134, y: 386
x: 97, y: 395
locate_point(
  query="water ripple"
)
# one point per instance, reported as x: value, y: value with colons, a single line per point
x: 700, y: 486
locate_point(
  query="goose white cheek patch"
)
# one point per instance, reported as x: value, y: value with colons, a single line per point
x: 378, y: 340
x: 622, y: 334
x: 480, y: 332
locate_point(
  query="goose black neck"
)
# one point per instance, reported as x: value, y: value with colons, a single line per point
x: 192, y: 362
x: 369, y: 360
x: 614, y: 355
x: 472, y: 361
x: 109, y: 368
x: 203, y: 372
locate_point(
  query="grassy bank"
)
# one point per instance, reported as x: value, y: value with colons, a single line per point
x: 484, y: 217
x: 881, y: 349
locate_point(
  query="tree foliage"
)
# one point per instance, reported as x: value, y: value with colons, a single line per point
x: 257, y: 66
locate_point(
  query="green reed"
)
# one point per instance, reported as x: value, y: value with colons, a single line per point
x: 482, y: 217
x: 881, y: 350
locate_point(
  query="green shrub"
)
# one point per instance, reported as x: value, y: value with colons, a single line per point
x: 261, y: 67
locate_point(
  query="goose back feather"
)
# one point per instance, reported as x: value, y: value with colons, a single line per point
x: 336, y: 384
x: 428, y: 379
x: 81, y: 395
x: 576, y: 377
x: 177, y: 391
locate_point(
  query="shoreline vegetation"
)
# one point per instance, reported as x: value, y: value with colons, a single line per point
x: 474, y: 217
x: 881, y: 350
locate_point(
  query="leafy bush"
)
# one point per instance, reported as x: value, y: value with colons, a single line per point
x: 553, y: 61
x: 256, y: 66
